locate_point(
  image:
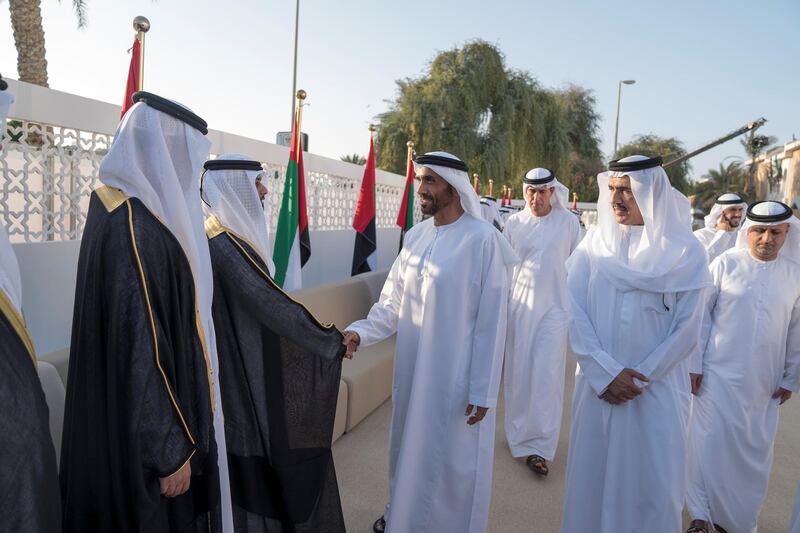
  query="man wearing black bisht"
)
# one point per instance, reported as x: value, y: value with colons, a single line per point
x: 29, y: 499
x: 139, y: 452
x: 279, y: 369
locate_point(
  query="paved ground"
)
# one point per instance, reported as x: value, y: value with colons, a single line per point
x: 521, y: 502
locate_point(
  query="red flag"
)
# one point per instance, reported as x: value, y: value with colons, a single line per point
x: 302, y: 228
x: 574, y: 202
x: 365, y: 249
x: 405, y: 218
x: 133, y: 77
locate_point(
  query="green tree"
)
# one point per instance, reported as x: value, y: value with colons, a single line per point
x: 668, y: 148
x: 754, y: 145
x: 583, y: 128
x: 356, y: 159
x: 502, y: 122
x: 728, y: 178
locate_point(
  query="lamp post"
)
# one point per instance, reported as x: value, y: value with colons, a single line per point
x: 619, y: 97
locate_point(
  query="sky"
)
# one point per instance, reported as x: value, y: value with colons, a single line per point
x: 702, y: 68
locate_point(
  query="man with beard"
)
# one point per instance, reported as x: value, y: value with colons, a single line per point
x: 722, y: 225
x: 751, y: 366
x: 279, y: 368
x: 446, y: 298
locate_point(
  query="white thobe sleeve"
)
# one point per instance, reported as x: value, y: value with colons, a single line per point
x: 682, y: 339
x: 791, y: 368
x: 574, y: 234
x: 599, y: 367
x: 381, y: 322
x: 489, y: 335
x: 709, y: 304
x: 719, y: 243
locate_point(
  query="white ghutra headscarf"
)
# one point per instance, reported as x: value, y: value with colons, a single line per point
x: 669, y: 258
x: 231, y: 195
x: 541, y: 178
x: 458, y: 177
x: 771, y: 214
x: 723, y: 202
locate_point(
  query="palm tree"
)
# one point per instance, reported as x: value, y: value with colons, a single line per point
x: 754, y: 145
x: 26, y: 22
x: 732, y: 177
x: 356, y: 159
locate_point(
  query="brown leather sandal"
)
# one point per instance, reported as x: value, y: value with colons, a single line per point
x: 379, y: 526
x: 538, y: 464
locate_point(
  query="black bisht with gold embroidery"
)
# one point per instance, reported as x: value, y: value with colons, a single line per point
x: 138, y: 395
x: 279, y: 377
x: 29, y: 499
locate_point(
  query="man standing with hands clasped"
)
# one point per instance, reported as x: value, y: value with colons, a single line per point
x: 446, y: 297
x: 635, y: 284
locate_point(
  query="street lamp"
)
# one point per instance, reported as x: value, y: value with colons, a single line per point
x: 619, y: 97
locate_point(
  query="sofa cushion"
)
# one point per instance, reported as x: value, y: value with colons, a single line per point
x: 369, y: 380
x: 60, y: 360
x: 340, y: 303
x: 55, y: 394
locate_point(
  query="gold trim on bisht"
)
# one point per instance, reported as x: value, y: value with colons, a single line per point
x: 18, y: 323
x: 214, y: 228
x: 153, y: 323
x: 111, y: 197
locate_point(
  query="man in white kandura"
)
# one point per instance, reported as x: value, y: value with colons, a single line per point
x: 543, y: 234
x: 722, y: 225
x: 635, y: 284
x: 446, y: 297
x: 751, y: 365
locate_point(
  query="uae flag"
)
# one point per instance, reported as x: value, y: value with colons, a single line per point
x: 365, y: 250
x: 405, y: 218
x: 133, y: 77
x: 292, y: 243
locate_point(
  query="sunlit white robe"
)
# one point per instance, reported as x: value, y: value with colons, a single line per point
x: 626, y: 463
x: 715, y: 241
x: 752, y: 328
x: 538, y: 320
x: 446, y: 297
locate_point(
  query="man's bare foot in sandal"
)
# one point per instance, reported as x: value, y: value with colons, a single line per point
x: 538, y: 464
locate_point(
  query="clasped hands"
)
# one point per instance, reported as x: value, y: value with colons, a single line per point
x: 622, y: 388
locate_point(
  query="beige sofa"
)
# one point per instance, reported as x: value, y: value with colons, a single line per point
x: 366, y: 379
x: 369, y: 374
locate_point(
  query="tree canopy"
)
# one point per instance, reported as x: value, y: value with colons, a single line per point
x: 668, y: 148
x: 500, y: 121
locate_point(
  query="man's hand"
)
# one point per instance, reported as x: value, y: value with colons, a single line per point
x: 623, y: 388
x: 697, y: 380
x: 610, y: 398
x: 783, y: 394
x: 177, y: 483
x: 352, y: 341
x: 480, y: 413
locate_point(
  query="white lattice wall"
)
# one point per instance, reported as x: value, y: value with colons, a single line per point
x: 50, y: 158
